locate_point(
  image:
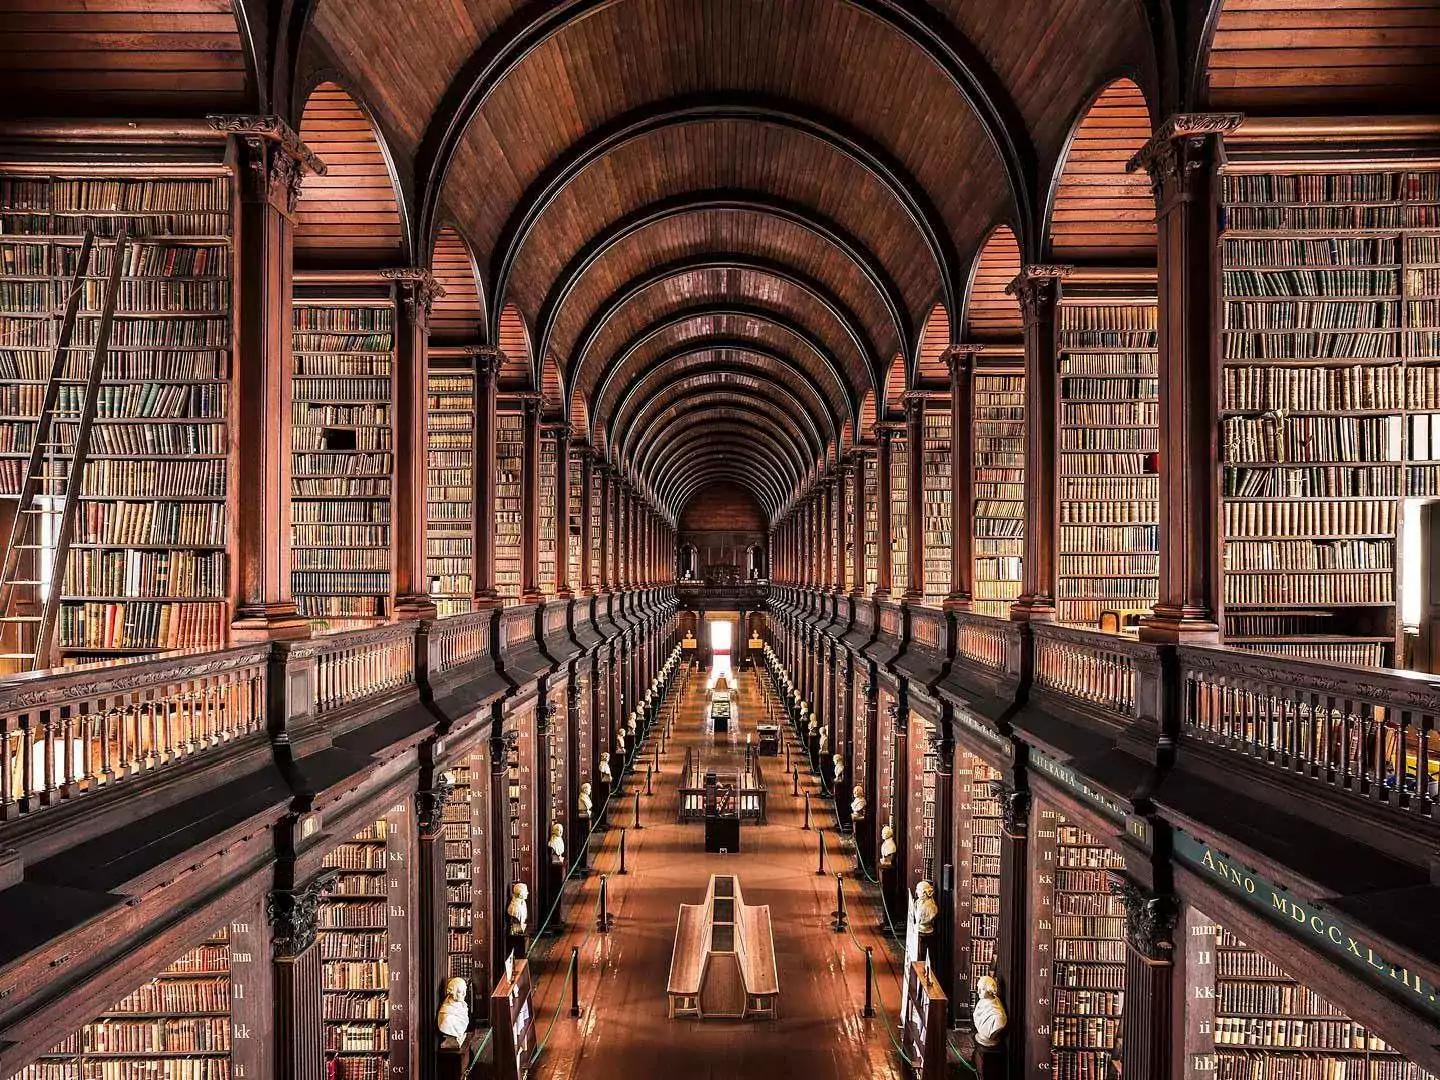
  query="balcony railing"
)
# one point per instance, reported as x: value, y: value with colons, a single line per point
x: 1099, y: 670
x: 983, y: 640
x: 352, y: 667
x: 64, y: 734
x: 459, y: 640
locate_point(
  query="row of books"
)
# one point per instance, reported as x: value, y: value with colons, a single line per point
x: 130, y: 572
x: 509, y: 461
x: 141, y: 625
x: 936, y: 481
x: 141, y: 225
x: 65, y: 195
x: 176, y: 258
x: 1328, y: 554
x: 134, y: 365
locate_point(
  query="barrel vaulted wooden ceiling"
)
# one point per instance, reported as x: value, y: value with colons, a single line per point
x: 722, y: 236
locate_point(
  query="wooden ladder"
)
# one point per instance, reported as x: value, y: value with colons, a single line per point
x: 45, y: 513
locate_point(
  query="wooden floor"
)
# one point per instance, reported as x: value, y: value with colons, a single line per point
x: 623, y: 1030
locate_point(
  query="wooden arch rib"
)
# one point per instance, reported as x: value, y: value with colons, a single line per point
x: 513, y: 337
x: 185, y: 57
x: 458, y: 315
x: 960, y: 62
x: 717, y: 473
x: 727, y: 448
x: 774, y: 442
x: 709, y: 392
x: 351, y: 216
x: 992, y: 314
x: 1099, y: 212
x: 677, y: 421
x: 930, y: 368
x: 1366, y: 55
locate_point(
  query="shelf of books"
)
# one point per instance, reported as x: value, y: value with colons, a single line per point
x: 148, y: 569
x: 936, y: 470
x: 1330, y: 402
x: 977, y: 849
x: 176, y: 1025
x: 1109, y: 444
x: 1249, y: 1020
x: 509, y: 461
x: 574, y: 520
x: 363, y: 940
x: 549, y: 521
x: 1078, y: 964
x: 999, y: 483
x: 899, y: 517
x: 450, y: 482
x: 597, y: 535
x: 343, y: 461
x: 872, y: 524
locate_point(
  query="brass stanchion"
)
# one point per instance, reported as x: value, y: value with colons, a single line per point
x: 840, y: 916
x: 603, y: 919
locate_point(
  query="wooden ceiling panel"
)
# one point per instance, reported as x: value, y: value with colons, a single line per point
x: 717, y: 156
x: 123, y: 58
x: 819, y: 55
x: 1052, y: 55
x: 1362, y: 55
x: 992, y: 314
x: 934, y: 340
x: 722, y: 233
x: 895, y: 387
x: 458, y: 315
x: 351, y: 215
x: 514, y: 342
x: 1100, y: 213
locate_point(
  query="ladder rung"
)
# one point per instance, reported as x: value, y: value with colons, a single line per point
x: 20, y: 618
x: 17, y: 656
x: 43, y: 510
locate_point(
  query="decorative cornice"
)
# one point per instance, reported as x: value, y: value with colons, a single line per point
x: 295, y: 914
x: 1160, y: 149
x: 1149, y: 920
x: 270, y: 128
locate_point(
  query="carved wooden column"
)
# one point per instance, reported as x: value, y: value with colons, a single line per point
x: 274, y: 161
x: 1012, y: 946
x: 530, y: 501
x: 961, y: 361
x: 1152, y: 996
x: 587, y: 534
x: 1181, y: 160
x: 915, y: 497
x: 1038, y: 289
x: 858, y: 458
x: 601, y: 472
x: 564, y: 587
x: 487, y: 362
x: 418, y: 290
x: 299, y: 977
x: 884, y: 434
x: 434, y: 913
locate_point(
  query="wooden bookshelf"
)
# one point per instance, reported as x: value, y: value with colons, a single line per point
x: 1256, y: 1021
x: 574, y: 519
x: 450, y: 482
x: 549, y: 519
x: 999, y: 485
x: 363, y: 943
x: 1330, y: 403
x: 178, y: 1022
x: 509, y: 462
x: 936, y: 465
x: 148, y: 568
x: 597, y: 535
x: 343, y: 453
x: 977, y: 848
x: 1108, y: 449
x: 872, y: 529
x: 1078, y: 958
x: 899, y: 516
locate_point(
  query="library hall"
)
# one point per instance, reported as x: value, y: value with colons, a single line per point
x: 604, y: 539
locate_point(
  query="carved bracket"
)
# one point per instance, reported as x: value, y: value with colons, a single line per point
x: 430, y: 805
x: 1149, y: 920
x: 295, y: 914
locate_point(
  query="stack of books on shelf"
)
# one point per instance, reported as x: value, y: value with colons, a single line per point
x: 1109, y: 445
x: 549, y: 514
x: 872, y: 531
x: 343, y: 460
x: 999, y: 479
x: 179, y: 1020
x: 154, y: 517
x: 574, y: 518
x: 899, y: 517
x: 936, y: 469
x: 450, y: 486
x: 355, y: 947
x: 1330, y: 342
x: 977, y: 841
x: 509, y: 462
x: 460, y: 884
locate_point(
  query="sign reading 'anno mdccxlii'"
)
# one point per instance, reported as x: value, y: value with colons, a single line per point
x: 1311, y: 921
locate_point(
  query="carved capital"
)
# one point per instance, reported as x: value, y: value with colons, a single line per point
x: 418, y: 290
x: 487, y: 360
x: 275, y: 160
x: 430, y: 805
x: 1038, y: 286
x: 959, y: 359
x: 295, y: 914
x: 267, y: 127
x: 1181, y: 145
x: 1149, y: 920
x: 1014, y: 809
x: 898, y: 717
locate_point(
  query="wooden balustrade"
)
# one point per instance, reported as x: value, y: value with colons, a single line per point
x: 459, y: 640
x: 68, y: 732
x: 983, y: 640
x: 1097, y: 669
x: 352, y: 667
x: 1372, y: 734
